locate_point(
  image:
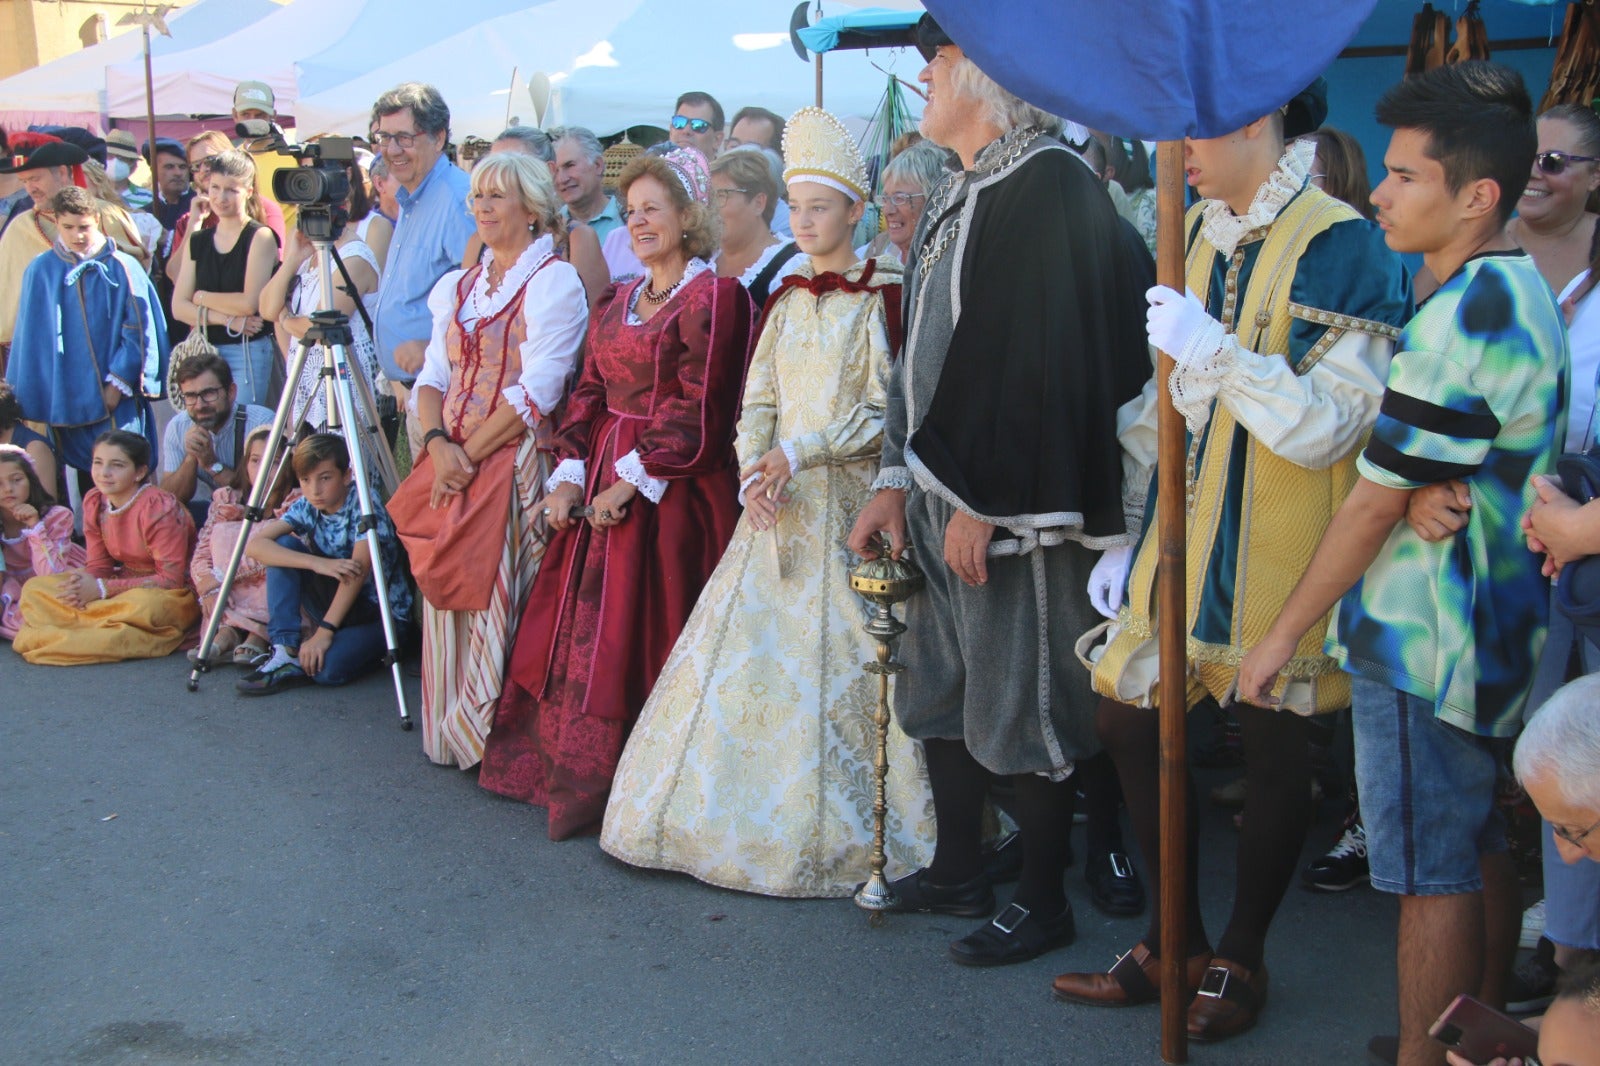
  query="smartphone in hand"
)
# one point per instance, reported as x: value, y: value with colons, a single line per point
x: 1481, y: 1034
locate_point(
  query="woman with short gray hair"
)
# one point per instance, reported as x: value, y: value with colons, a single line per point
x: 907, y: 181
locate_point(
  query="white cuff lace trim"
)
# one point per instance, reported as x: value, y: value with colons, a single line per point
x: 120, y: 385
x: 567, y: 472
x: 792, y: 455
x: 745, y: 485
x: 893, y: 477
x: 517, y: 397
x: 630, y: 468
x: 1200, y: 371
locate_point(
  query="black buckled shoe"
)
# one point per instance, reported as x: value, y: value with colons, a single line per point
x: 1114, y: 884
x: 916, y: 894
x: 1015, y: 935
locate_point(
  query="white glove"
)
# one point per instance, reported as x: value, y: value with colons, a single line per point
x: 1109, y: 579
x: 1178, y: 324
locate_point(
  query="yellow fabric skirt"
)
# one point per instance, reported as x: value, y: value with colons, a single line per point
x: 136, y: 624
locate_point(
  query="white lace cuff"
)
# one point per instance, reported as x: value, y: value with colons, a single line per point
x: 518, y: 398
x: 1199, y: 371
x: 893, y: 477
x: 745, y: 484
x: 630, y: 468
x: 567, y: 472
x: 791, y: 454
x: 120, y: 385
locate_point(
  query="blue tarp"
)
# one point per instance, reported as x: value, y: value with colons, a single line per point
x: 825, y: 34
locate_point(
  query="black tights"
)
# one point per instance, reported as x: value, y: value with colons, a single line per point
x: 1043, y: 810
x: 1277, y: 813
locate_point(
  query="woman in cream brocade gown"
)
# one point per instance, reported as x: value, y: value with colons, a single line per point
x: 751, y: 764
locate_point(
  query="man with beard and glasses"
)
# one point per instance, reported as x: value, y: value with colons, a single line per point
x: 201, y: 448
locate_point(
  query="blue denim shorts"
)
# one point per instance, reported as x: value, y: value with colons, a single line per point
x: 1427, y: 794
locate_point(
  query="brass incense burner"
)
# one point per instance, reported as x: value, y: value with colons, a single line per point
x: 883, y: 582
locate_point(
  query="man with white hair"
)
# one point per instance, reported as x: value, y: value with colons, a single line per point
x: 580, y: 170
x: 1025, y: 332
x: 1557, y: 762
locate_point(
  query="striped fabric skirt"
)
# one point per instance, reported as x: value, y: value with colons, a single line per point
x: 464, y: 652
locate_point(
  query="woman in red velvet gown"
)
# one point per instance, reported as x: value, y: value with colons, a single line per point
x: 646, y: 441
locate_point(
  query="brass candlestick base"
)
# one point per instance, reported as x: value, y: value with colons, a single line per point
x: 883, y: 582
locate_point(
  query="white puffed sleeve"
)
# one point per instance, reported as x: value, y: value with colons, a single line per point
x: 555, y: 314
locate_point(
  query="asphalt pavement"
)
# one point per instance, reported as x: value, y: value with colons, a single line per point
x: 201, y: 878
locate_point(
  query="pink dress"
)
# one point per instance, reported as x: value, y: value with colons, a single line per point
x: 247, y: 600
x: 46, y: 548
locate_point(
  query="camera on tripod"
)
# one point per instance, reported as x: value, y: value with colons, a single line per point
x: 318, y: 187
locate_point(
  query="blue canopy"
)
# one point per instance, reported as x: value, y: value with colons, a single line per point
x: 1153, y: 69
x: 872, y: 27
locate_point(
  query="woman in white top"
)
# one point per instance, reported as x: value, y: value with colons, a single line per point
x: 506, y: 337
x: 745, y: 195
x: 295, y: 291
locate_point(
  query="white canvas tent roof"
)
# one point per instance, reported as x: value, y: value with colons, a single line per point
x: 201, y: 80
x: 612, y: 64
x: 71, y: 90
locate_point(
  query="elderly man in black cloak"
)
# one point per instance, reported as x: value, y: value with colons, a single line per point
x: 1024, y: 336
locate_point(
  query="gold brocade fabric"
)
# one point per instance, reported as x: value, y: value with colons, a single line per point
x: 140, y: 623
x: 1286, y: 507
x: 751, y: 766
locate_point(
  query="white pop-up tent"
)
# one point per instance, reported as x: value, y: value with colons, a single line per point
x: 611, y: 64
x: 201, y: 80
x: 71, y: 91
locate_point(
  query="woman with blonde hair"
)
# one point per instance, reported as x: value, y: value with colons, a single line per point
x: 646, y: 441
x: 745, y: 195
x: 506, y: 337
x: 224, y: 274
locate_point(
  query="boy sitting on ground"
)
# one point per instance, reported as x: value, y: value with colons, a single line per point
x: 318, y: 562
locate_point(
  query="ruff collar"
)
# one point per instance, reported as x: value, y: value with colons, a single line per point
x: 1224, y: 230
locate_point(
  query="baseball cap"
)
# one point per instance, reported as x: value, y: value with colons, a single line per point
x: 254, y: 95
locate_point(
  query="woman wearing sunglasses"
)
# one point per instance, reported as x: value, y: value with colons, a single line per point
x: 1556, y: 217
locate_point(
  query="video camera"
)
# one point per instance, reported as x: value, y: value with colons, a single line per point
x: 318, y: 187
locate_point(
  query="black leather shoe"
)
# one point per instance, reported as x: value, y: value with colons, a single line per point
x: 1114, y: 885
x: 1015, y: 935
x: 916, y: 894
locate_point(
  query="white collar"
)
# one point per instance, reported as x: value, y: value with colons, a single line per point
x: 480, y: 304
x: 1223, y: 229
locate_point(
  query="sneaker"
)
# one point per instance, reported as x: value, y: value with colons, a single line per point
x: 1532, y: 926
x: 1344, y: 866
x: 1533, y: 985
x: 280, y: 672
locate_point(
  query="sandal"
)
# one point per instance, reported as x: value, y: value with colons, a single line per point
x: 247, y: 653
x: 225, y: 642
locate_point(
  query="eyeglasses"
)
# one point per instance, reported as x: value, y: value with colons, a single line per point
x: 1556, y: 162
x: 695, y: 125
x: 899, y: 200
x: 381, y: 140
x: 721, y: 195
x: 211, y: 395
x: 1575, y: 839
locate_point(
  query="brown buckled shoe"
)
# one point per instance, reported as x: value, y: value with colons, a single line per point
x: 1228, y: 1002
x: 1134, y: 979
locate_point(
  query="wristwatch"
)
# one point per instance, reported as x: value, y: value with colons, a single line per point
x: 216, y: 468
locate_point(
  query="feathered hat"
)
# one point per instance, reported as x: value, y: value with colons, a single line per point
x: 817, y: 147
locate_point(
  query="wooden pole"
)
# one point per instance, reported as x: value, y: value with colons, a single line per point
x: 819, y: 79
x: 150, y: 103
x: 1172, y: 618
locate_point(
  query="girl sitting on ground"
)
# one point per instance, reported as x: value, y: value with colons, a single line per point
x: 35, y: 531
x: 132, y: 598
x: 242, y: 637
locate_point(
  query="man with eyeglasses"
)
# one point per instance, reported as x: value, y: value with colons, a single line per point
x: 411, y: 124
x: 200, y: 449
x: 697, y: 122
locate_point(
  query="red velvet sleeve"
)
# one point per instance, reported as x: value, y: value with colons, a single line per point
x: 700, y: 378
x: 588, y: 397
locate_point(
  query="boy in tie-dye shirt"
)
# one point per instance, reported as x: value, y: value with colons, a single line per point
x: 1442, y: 637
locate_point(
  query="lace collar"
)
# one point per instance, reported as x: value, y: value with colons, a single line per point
x: 480, y: 304
x: 694, y: 269
x: 1225, y: 231
x: 112, y: 508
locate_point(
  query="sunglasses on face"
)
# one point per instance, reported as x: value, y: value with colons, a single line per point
x: 694, y: 125
x: 1557, y: 162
